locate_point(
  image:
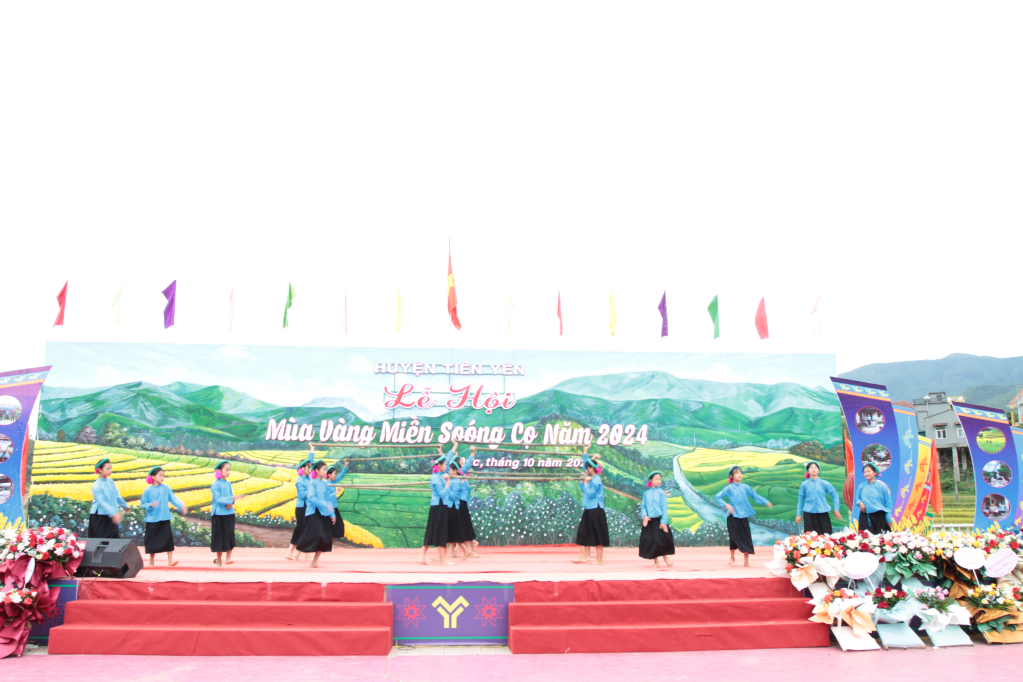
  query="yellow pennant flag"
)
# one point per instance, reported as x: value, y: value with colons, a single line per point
x: 614, y: 316
x: 400, y: 302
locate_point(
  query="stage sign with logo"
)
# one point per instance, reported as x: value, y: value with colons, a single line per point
x: 461, y: 614
x: 40, y: 633
x: 880, y: 437
x: 996, y: 466
x: 18, y: 392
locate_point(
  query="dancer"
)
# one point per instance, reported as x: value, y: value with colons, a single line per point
x: 875, y: 502
x: 655, y: 540
x: 317, y: 535
x: 465, y: 495
x: 334, y: 476
x: 592, y: 530
x: 739, y: 510
x: 222, y: 517
x: 458, y: 532
x: 106, y: 504
x: 437, y: 527
x: 813, y: 502
x: 301, y: 490
x: 156, y: 500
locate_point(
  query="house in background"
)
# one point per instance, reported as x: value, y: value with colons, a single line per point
x: 1012, y: 409
x: 936, y: 419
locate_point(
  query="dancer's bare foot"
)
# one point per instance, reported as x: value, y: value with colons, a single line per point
x: 229, y: 562
x: 152, y: 563
x: 731, y: 562
x: 473, y: 555
x: 598, y: 562
x: 216, y: 562
x: 290, y: 558
x: 314, y: 565
x: 449, y: 562
x: 746, y: 563
x: 670, y: 564
x: 579, y: 561
x: 174, y: 564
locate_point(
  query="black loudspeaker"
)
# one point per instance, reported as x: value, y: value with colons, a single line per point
x: 110, y: 559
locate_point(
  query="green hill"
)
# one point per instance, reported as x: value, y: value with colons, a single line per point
x: 982, y: 380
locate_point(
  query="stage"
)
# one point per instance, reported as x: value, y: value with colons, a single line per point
x: 496, y: 564
x: 363, y: 601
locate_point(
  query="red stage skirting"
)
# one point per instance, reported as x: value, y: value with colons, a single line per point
x: 264, y: 605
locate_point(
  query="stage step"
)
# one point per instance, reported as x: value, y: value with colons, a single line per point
x: 665, y: 637
x: 655, y: 590
x: 202, y: 614
x: 233, y: 640
x: 675, y: 612
x: 661, y: 615
x: 255, y: 591
x: 220, y: 627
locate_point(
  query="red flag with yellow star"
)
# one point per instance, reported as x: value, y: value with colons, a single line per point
x: 452, y: 298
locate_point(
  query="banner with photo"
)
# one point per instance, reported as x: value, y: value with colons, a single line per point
x: 523, y: 417
x: 882, y: 438
x: 996, y: 465
x: 18, y: 392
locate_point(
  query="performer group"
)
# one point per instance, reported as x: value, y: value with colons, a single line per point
x: 449, y: 526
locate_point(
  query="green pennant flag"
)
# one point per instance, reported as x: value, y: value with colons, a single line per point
x: 713, y: 310
x: 287, y: 304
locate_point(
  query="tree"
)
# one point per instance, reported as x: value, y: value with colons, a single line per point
x: 86, y: 435
x: 61, y: 436
x: 112, y: 435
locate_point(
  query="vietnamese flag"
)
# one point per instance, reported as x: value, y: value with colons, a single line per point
x: 62, y: 300
x: 452, y: 297
x: 761, y: 320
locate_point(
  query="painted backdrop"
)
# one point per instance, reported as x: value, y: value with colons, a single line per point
x: 690, y: 415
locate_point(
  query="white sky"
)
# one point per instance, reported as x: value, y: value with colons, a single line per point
x: 866, y: 152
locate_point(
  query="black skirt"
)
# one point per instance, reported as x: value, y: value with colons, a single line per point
x: 437, y: 527
x: 299, y: 525
x: 223, y: 533
x: 739, y: 535
x: 875, y: 522
x: 159, y: 537
x: 316, y: 534
x: 457, y: 533
x: 101, y: 527
x: 819, y: 522
x: 465, y: 519
x: 337, y: 529
x: 654, y: 542
x: 593, y: 529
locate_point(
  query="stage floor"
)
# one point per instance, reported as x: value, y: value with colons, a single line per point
x: 496, y: 564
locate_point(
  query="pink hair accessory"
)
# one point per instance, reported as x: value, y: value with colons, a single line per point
x: 806, y: 475
x: 149, y: 480
x: 648, y: 484
x: 97, y: 470
x: 217, y: 474
x: 312, y: 475
x: 599, y: 469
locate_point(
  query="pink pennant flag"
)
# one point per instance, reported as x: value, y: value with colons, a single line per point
x: 816, y: 319
x: 761, y: 320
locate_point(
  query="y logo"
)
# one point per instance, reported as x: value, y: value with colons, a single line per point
x: 450, y: 612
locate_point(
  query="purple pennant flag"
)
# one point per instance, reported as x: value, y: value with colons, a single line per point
x: 170, y: 293
x: 662, y: 307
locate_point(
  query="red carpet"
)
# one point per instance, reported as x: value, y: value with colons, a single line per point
x: 264, y: 605
x: 663, y: 615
